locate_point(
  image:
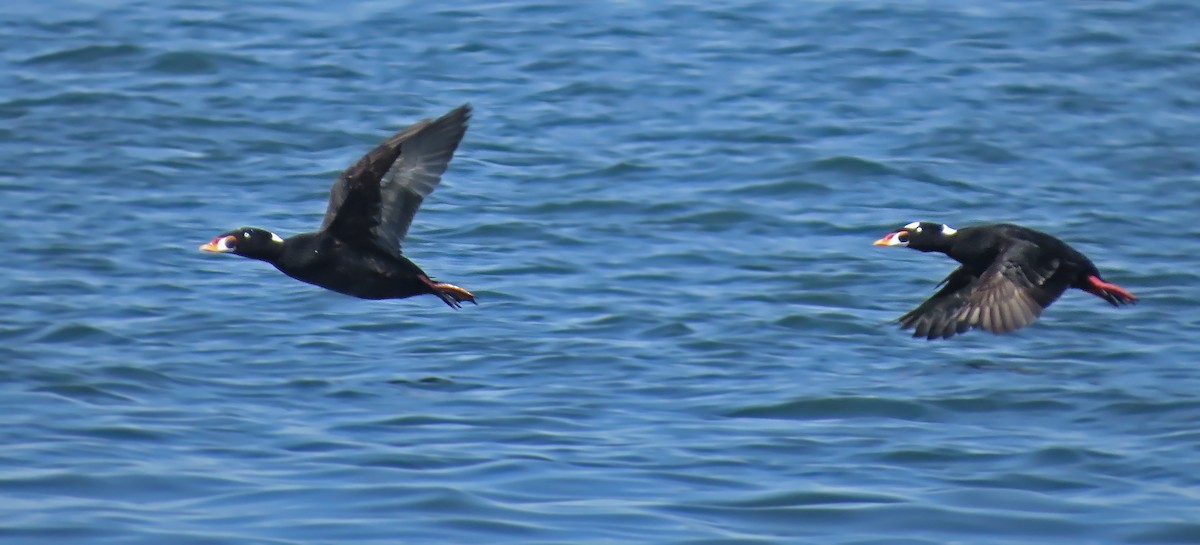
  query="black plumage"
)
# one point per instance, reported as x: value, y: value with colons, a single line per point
x: 1008, y: 275
x: 356, y: 251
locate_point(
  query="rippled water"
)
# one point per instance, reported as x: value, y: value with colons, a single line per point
x: 666, y: 210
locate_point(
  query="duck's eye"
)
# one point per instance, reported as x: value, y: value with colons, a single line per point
x: 246, y: 234
x: 902, y: 237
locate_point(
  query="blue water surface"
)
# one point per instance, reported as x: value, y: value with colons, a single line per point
x: 666, y: 210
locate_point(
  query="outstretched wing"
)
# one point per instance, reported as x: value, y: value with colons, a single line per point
x: 1007, y: 296
x: 376, y: 198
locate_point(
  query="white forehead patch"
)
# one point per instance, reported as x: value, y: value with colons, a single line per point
x: 275, y: 238
x: 912, y: 225
x: 947, y: 230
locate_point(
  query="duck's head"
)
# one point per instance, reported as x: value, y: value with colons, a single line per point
x: 247, y: 242
x: 925, y: 236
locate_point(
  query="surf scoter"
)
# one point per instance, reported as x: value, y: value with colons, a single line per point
x: 1008, y: 275
x: 371, y: 204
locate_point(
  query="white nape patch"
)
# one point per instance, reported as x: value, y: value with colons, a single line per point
x: 947, y: 230
x: 275, y: 238
x: 912, y: 226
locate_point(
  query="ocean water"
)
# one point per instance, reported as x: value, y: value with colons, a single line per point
x: 666, y: 210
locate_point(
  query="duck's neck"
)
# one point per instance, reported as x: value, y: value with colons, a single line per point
x: 944, y: 245
x: 977, y: 249
x: 269, y: 253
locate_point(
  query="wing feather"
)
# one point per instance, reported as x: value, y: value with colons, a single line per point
x: 376, y: 198
x: 1005, y: 297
